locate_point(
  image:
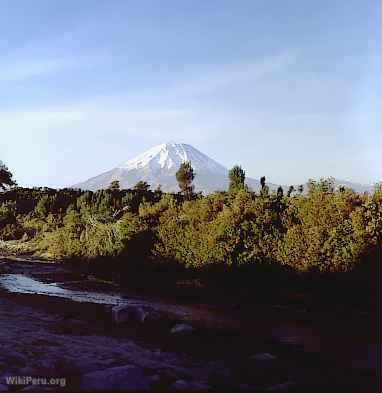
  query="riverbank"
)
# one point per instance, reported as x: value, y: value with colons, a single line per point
x: 242, y: 349
x: 350, y: 293
x: 56, y: 337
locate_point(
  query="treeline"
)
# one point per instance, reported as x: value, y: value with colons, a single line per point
x: 321, y: 229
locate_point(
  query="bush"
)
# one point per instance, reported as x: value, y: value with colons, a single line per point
x: 325, y: 229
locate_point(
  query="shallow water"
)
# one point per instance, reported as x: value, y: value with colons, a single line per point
x: 22, y: 284
x: 356, y: 350
x: 19, y: 283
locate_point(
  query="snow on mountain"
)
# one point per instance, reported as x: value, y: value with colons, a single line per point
x: 167, y: 157
x: 158, y: 166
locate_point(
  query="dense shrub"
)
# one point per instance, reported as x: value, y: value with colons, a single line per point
x: 324, y: 229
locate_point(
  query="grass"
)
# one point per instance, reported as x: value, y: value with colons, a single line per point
x: 16, y: 247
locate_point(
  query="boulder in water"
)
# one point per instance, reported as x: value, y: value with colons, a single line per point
x: 263, y: 356
x: 282, y: 387
x: 189, y: 386
x: 182, y: 328
x: 128, y: 313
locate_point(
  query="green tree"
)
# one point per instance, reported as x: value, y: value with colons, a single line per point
x: 142, y: 186
x: 236, y: 177
x: 42, y: 207
x: 185, y: 177
x: 290, y: 191
x: 320, y: 229
x: 280, y: 192
x: 6, y: 177
x: 264, y: 191
x: 114, y: 185
x: 8, y: 221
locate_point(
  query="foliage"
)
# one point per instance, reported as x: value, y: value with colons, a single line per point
x: 185, y: 177
x: 114, y: 185
x: 322, y: 229
x: 9, y: 228
x: 142, y: 186
x: 6, y: 177
x: 236, y: 177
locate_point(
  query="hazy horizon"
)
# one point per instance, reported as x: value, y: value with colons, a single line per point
x: 290, y: 90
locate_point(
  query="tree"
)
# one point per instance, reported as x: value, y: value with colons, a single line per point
x: 280, y: 193
x: 42, y: 208
x: 6, y: 179
x: 264, y: 192
x: 114, y: 185
x: 142, y: 186
x: 9, y: 228
x: 290, y: 191
x: 236, y: 179
x: 158, y: 193
x: 184, y: 177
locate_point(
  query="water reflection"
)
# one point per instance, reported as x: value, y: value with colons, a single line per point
x: 18, y: 283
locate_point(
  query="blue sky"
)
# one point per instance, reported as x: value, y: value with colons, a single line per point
x: 288, y: 89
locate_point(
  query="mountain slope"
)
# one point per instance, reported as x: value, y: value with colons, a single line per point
x: 158, y: 166
x: 337, y: 183
x: 357, y: 187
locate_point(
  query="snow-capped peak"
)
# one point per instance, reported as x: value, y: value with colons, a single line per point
x: 168, y: 157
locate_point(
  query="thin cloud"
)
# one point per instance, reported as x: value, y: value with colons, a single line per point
x: 219, y: 77
x: 133, y: 114
x: 100, y: 118
x: 22, y: 70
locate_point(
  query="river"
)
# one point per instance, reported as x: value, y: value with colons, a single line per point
x: 269, y: 348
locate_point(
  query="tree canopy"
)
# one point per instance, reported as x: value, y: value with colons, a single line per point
x: 322, y: 229
x: 6, y: 177
x: 236, y: 177
x: 185, y: 177
x: 142, y: 186
x: 114, y: 185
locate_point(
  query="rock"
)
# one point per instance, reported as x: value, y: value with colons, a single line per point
x: 37, y: 388
x: 117, y: 378
x: 282, y: 387
x: 5, y: 269
x: 182, y: 328
x: 263, y: 356
x: 181, y: 385
x: 156, y: 378
x: 13, y: 358
x: 128, y: 313
x: 169, y: 374
x: 45, y: 365
x: 28, y: 371
x: 244, y: 388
